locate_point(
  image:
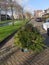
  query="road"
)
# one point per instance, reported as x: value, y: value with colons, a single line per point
x: 41, y: 30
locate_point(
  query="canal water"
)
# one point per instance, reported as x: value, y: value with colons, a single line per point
x: 6, y: 24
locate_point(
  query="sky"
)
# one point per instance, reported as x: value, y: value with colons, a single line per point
x: 31, y: 5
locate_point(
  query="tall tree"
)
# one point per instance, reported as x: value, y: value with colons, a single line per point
x: 6, y: 8
x: 12, y: 2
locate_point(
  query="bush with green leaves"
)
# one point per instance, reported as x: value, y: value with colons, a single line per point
x: 29, y: 38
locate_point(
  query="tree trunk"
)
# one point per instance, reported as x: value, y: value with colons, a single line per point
x: 12, y: 15
x: 22, y: 14
x: 0, y: 14
x: 6, y: 14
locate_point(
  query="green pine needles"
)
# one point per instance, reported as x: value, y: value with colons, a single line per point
x: 28, y: 37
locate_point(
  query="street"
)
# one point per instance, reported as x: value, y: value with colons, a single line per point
x: 38, y: 25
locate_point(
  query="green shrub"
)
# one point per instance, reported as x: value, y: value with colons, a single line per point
x: 29, y: 38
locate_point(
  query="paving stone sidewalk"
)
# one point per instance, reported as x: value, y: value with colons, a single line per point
x: 14, y: 56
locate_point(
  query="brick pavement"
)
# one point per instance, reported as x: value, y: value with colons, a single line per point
x: 14, y: 56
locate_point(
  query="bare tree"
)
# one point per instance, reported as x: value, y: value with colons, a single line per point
x: 6, y: 9
x: 0, y: 10
x: 13, y: 6
x: 2, y: 6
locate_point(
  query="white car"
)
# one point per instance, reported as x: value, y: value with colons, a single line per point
x: 46, y: 24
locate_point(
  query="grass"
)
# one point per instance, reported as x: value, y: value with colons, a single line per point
x: 7, y: 30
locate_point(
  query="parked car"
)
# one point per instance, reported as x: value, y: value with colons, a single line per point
x: 46, y: 25
x: 38, y: 19
x: 3, y: 17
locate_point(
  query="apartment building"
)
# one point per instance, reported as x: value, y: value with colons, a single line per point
x: 38, y: 13
x: 47, y: 10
